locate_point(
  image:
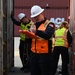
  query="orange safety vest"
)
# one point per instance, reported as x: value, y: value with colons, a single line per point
x: 40, y: 45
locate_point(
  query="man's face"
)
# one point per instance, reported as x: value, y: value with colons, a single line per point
x: 24, y: 20
x: 38, y: 18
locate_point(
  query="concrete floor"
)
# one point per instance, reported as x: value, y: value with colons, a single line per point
x: 17, y: 62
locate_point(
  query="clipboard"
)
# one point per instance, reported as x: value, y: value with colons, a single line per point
x: 29, y: 34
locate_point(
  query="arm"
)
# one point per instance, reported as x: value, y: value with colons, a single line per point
x: 15, y: 21
x: 47, y: 34
x: 69, y: 37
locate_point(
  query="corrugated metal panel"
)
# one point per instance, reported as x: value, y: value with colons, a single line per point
x: 73, y: 55
x: 51, y: 3
x: 72, y: 15
x: 16, y: 30
x: 19, y: 10
x: 72, y: 27
x: 49, y: 13
x: 7, y: 33
x: 54, y: 13
x: 10, y: 51
x: 57, y: 8
x: 1, y: 38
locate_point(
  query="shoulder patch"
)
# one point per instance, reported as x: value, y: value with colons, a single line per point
x: 50, y: 25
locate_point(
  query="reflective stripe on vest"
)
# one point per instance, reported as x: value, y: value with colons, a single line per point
x: 61, y: 37
x: 24, y: 27
x: 40, y: 45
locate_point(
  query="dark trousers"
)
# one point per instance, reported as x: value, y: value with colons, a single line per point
x: 28, y: 51
x: 40, y: 64
x: 24, y: 51
x: 65, y: 59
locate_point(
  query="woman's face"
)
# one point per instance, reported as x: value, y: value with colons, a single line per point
x: 67, y: 26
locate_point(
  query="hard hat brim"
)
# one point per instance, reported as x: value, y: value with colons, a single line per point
x: 32, y: 16
x: 21, y: 16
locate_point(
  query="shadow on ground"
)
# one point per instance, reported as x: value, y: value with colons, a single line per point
x: 17, y: 71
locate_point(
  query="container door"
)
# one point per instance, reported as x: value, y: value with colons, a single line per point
x: 72, y: 28
x: 7, y: 32
x: 1, y: 37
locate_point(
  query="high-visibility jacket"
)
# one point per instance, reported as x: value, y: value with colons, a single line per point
x: 61, y: 37
x: 40, y: 45
x: 24, y: 27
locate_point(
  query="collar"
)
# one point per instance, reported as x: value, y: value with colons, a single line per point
x: 39, y: 23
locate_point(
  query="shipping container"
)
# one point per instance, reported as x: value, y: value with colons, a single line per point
x: 1, y: 39
x: 6, y: 37
x: 43, y: 3
x: 55, y: 11
x: 72, y: 28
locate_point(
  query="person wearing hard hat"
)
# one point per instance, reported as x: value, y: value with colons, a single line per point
x: 40, y: 57
x: 24, y: 47
x: 63, y: 40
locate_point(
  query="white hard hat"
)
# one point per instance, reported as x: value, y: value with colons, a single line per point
x: 36, y: 10
x: 21, y: 15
